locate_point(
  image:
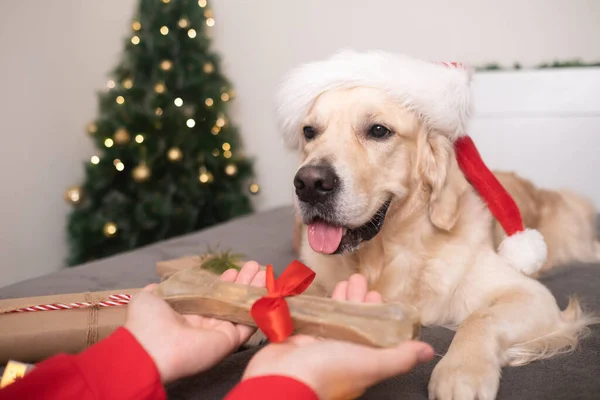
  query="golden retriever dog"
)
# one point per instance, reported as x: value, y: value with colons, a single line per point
x: 566, y: 220
x: 382, y: 195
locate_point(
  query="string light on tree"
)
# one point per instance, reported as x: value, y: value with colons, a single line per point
x: 110, y: 229
x: 166, y: 65
x: 120, y: 100
x: 95, y: 160
x: 141, y: 173
x: 110, y: 84
x: 225, y: 97
x: 209, y: 102
x: 166, y: 1
x: 220, y: 121
x: 74, y: 195
x: 189, y: 111
x: 164, y: 30
x: 208, y: 67
x: 231, y: 169
x: 254, y: 188
x: 108, y: 142
x: 215, y: 153
x: 136, y: 26
x: 135, y: 40
x: 174, y: 154
x: 202, y: 3
x: 210, y: 22
x: 208, y: 14
x: 205, y: 176
x: 160, y: 87
x: 92, y: 128
x: 121, y: 136
x: 118, y: 165
x: 183, y: 23
x: 128, y: 83
x: 190, y: 123
x: 158, y: 111
x: 178, y: 102
x: 215, y: 130
x: 226, y: 146
x: 139, y: 138
x: 192, y: 33
x: 227, y: 154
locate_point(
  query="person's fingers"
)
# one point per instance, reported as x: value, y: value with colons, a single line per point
x: 230, y: 275
x: 357, y: 288
x: 340, y: 292
x: 373, y: 297
x: 245, y: 332
x: 401, y: 359
x: 300, y: 340
x: 195, y: 321
x: 150, y: 288
x: 247, y: 273
x: 259, y: 279
x: 250, y: 274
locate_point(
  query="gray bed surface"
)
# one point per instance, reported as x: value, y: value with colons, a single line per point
x: 267, y: 237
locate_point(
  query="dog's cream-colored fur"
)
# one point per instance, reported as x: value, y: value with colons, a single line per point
x: 565, y: 219
x: 436, y: 250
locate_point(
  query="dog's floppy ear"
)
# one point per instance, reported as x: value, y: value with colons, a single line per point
x: 437, y: 166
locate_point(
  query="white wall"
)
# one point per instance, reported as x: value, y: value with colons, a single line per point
x: 54, y: 56
x: 56, y: 53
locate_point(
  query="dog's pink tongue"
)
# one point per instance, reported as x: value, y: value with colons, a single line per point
x: 324, y: 238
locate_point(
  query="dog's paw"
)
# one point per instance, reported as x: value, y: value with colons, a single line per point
x: 464, y: 379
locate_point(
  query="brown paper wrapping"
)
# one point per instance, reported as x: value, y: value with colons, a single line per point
x: 33, y: 336
x: 164, y: 269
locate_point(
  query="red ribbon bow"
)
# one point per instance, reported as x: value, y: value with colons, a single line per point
x: 271, y: 312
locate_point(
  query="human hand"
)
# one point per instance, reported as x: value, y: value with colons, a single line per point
x: 182, y: 345
x: 335, y: 369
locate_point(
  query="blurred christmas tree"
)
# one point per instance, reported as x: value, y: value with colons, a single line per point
x: 167, y: 159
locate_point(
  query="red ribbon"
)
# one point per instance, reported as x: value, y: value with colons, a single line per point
x: 271, y: 312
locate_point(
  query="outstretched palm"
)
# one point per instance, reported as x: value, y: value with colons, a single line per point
x: 179, y: 342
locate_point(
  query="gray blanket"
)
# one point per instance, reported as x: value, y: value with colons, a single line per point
x: 267, y: 238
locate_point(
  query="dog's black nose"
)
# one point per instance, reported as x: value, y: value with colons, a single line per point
x: 314, y: 184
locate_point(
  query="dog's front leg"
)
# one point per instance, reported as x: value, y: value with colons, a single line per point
x: 471, y: 367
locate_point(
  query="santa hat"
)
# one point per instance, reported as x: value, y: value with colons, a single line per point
x: 440, y: 94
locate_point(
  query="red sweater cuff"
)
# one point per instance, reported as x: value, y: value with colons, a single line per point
x: 118, y: 367
x: 272, y: 387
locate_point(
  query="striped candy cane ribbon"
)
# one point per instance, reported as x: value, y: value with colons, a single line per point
x: 112, y: 301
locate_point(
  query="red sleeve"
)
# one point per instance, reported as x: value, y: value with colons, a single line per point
x: 271, y: 387
x: 116, y: 368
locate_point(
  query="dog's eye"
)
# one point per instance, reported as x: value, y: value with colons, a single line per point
x: 379, y: 131
x: 309, y: 132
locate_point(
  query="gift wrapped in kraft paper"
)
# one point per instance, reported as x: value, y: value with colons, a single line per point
x: 31, y: 336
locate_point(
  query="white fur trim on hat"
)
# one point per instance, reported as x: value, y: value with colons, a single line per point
x: 525, y: 251
x: 439, y: 93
